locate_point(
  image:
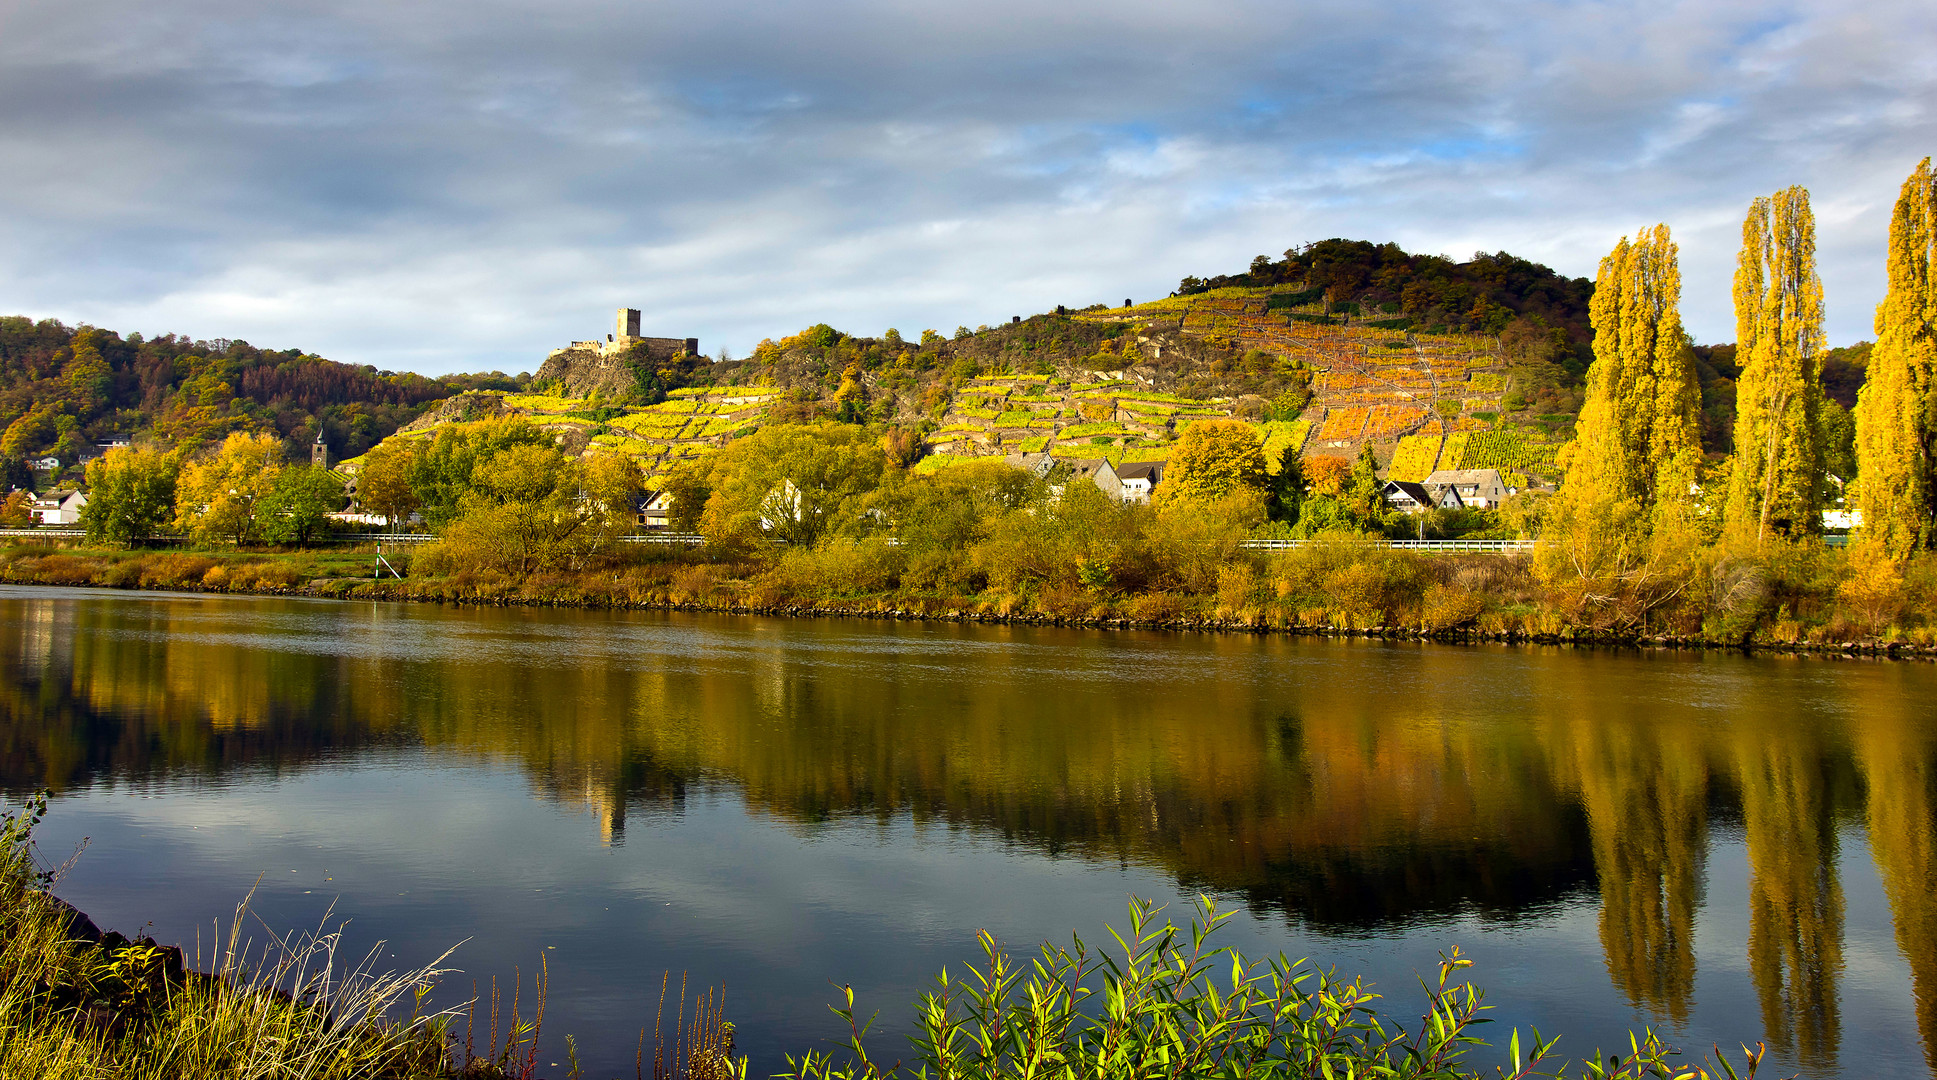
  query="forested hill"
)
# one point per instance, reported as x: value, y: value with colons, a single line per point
x: 62, y: 388
x: 1482, y: 296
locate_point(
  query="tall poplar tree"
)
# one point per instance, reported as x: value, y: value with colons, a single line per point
x: 1776, y: 487
x: 1896, y: 411
x: 1638, y: 439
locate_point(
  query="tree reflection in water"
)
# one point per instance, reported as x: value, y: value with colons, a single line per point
x: 1351, y: 787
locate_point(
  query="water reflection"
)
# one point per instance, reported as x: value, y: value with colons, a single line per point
x: 1350, y: 787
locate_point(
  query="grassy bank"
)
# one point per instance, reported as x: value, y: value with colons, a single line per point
x: 1805, y: 598
x: 77, y: 1003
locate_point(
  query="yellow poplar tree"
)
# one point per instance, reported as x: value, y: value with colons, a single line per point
x: 1896, y: 411
x: 1638, y: 440
x: 1777, y: 482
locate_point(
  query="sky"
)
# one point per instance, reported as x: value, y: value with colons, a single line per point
x: 440, y: 187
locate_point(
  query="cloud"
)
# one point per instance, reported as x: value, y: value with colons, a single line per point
x: 443, y: 186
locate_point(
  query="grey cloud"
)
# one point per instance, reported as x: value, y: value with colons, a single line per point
x: 442, y: 186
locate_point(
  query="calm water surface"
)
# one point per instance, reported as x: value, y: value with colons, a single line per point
x: 1726, y: 848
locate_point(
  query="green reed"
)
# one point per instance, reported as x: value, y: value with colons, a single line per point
x: 1169, y: 1005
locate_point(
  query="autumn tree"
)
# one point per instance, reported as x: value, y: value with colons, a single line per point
x: 298, y: 505
x: 384, y: 484
x: 1214, y: 459
x: 131, y: 495
x: 1776, y: 487
x: 86, y: 373
x: 446, y: 470
x: 530, y: 508
x: 17, y: 511
x: 1896, y: 411
x: 1638, y: 439
x: 217, y: 496
x: 1618, y: 536
x: 790, y: 482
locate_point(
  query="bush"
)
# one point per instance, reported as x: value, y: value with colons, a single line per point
x: 65, y: 570
x: 1173, y: 1005
x: 1155, y: 607
x: 693, y: 584
x: 840, y: 567
x: 173, y: 569
x: 1448, y: 607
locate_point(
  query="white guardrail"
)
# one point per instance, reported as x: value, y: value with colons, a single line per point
x: 695, y: 539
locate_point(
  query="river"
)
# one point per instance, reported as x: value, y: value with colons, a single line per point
x: 1729, y: 848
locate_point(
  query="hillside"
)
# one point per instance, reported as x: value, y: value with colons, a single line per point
x: 1339, y: 345
x: 65, y: 389
x: 1316, y: 376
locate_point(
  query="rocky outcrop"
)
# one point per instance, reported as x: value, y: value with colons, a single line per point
x: 586, y: 368
x: 481, y: 405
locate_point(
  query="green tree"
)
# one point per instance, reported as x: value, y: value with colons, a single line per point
x: 1364, y: 495
x: 1214, y: 459
x: 791, y: 482
x: 1896, y: 411
x: 448, y: 468
x: 530, y: 508
x: 686, y: 490
x: 298, y: 506
x: 131, y: 495
x: 1777, y: 483
x: 217, y: 496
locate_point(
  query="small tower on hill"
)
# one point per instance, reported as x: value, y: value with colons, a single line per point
x: 319, y: 452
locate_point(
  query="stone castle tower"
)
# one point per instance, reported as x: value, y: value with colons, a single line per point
x: 626, y: 334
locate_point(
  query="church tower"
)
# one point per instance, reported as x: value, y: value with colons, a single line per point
x: 319, y: 453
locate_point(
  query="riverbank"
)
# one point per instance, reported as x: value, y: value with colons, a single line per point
x: 1496, y: 610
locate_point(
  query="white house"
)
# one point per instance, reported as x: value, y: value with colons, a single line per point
x: 1139, y: 479
x: 654, y: 508
x: 1411, y: 498
x: 60, y: 507
x: 1479, y: 489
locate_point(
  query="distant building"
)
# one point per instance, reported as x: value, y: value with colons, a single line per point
x: 626, y: 335
x: 319, y: 452
x: 1095, y: 470
x: 654, y: 509
x: 1139, y: 479
x: 1478, y: 489
x: 1411, y: 498
x: 60, y: 507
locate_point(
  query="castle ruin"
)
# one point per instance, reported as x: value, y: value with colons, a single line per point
x: 626, y: 335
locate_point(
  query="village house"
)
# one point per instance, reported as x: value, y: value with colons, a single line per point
x: 654, y: 508
x: 60, y: 507
x: 1095, y: 470
x: 1478, y: 489
x: 1408, y: 497
x: 1139, y: 479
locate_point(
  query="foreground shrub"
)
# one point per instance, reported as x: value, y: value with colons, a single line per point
x: 71, y: 1006
x: 1172, y: 1006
